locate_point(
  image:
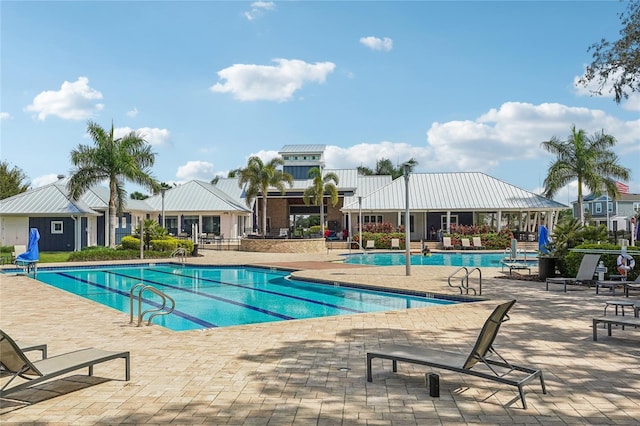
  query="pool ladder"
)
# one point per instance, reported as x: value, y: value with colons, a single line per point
x: 162, y: 310
x: 181, y: 253
x: 464, y: 281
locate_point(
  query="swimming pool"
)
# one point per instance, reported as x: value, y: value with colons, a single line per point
x: 208, y: 297
x: 473, y: 259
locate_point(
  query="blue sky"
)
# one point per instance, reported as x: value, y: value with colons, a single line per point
x: 459, y: 86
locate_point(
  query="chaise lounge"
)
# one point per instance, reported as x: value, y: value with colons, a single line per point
x: 15, y: 363
x: 586, y: 271
x: 462, y: 362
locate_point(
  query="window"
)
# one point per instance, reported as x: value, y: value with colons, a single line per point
x: 598, y: 207
x: 211, y: 224
x: 123, y: 222
x: 56, y: 227
x: 586, y: 208
x: 411, y: 226
x: 610, y: 207
x: 371, y: 219
x: 636, y: 207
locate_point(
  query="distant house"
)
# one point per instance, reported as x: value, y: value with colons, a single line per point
x: 602, y: 208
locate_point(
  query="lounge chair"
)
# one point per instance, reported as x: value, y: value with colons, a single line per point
x: 28, y: 347
x: 585, y: 273
x: 371, y: 244
x: 446, y: 243
x: 466, y: 243
x: 15, y: 363
x: 477, y: 243
x: 465, y: 362
x: 395, y: 243
x: 612, y: 284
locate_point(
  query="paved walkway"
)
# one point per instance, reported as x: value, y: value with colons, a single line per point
x: 313, y: 371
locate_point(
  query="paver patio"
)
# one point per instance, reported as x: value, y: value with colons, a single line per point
x: 313, y: 371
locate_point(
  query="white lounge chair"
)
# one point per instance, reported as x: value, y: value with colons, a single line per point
x: 446, y: 243
x: 464, y: 362
x: 395, y: 243
x: 477, y: 243
x: 586, y: 271
x: 371, y: 244
x: 466, y: 243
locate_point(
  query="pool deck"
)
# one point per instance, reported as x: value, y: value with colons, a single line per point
x: 313, y: 371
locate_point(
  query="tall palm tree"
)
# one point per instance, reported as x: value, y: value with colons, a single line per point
x: 116, y: 161
x: 258, y: 177
x: 587, y: 159
x: 321, y: 185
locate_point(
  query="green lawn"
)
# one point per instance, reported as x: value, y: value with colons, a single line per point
x: 54, y: 256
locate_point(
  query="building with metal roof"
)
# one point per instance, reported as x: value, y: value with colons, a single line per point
x: 439, y: 200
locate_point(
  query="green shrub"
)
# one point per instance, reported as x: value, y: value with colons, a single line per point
x: 106, y: 253
x: 315, y: 229
x: 130, y: 243
x: 573, y: 259
x: 169, y: 244
x: 186, y: 244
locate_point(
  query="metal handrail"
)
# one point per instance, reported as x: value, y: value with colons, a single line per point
x: 180, y: 251
x: 154, y: 312
x: 464, y: 281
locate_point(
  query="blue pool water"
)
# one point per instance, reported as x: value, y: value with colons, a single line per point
x: 491, y: 260
x: 209, y: 297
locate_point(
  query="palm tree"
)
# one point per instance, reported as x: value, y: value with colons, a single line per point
x: 321, y: 185
x: 587, y: 159
x: 258, y: 177
x: 128, y: 158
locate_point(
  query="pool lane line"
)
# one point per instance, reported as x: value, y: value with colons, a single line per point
x: 209, y: 296
x: 179, y: 313
x: 276, y: 293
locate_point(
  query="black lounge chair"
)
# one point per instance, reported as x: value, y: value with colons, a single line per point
x: 463, y: 362
x: 15, y: 363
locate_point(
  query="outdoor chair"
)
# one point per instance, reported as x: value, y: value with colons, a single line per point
x: 477, y: 243
x: 612, y: 284
x: 464, y: 362
x: 446, y: 243
x: 585, y: 273
x: 395, y: 243
x: 15, y: 363
x: 371, y: 244
x: 466, y: 243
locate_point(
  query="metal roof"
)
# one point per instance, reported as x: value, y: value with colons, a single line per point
x: 453, y: 191
x: 50, y: 200
x: 296, y: 149
x: 197, y: 196
x: 347, y: 180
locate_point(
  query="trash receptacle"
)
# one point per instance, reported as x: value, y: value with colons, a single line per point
x: 547, y: 267
x: 195, y: 249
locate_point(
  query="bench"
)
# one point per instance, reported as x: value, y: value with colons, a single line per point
x: 609, y: 321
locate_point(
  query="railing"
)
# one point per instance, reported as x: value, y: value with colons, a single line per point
x: 162, y: 310
x: 180, y: 252
x: 464, y: 281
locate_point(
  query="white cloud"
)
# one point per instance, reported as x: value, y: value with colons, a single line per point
x: 514, y: 132
x: 265, y: 156
x: 375, y: 43
x: 44, y: 180
x: 258, y: 9
x: 367, y: 154
x: 153, y: 136
x: 133, y: 112
x: 74, y: 101
x: 200, y: 170
x: 249, y: 82
x: 632, y: 103
x: 5, y: 116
